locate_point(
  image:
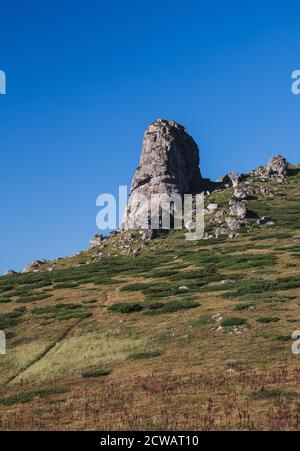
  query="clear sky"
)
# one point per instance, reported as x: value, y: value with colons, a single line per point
x: 85, y: 78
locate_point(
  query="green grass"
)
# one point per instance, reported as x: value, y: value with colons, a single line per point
x: 11, y: 319
x: 173, y: 306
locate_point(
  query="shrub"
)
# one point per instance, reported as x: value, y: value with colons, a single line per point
x: 268, y: 319
x: 231, y: 322
x: 134, y: 287
x: 125, y: 307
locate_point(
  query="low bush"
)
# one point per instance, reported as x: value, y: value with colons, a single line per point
x: 125, y: 307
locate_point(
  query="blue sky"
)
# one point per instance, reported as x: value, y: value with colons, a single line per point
x: 85, y: 78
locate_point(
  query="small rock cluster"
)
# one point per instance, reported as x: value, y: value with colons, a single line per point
x: 229, y: 221
x: 276, y: 169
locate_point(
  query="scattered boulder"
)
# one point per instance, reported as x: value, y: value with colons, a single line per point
x: 183, y: 288
x: 265, y: 220
x: 218, y: 317
x: 238, y: 209
x: 221, y: 231
x: 231, y: 179
x: 227, y: 282
x: 234, y: 178
x: 242, y: 193
x: 239, y: 330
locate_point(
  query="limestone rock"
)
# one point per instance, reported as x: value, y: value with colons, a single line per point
x: 222, y: 230
x: 277, y: 165
x: 265, y: 220
x: 169, y: 165
x: 212, y: 207
x: 34, y: 266
x: 238, y: 209
x: 233, y: 224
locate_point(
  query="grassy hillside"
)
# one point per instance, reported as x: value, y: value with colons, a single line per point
x: 187, y: 335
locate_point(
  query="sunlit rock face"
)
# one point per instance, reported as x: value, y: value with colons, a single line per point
x: 169, y: 165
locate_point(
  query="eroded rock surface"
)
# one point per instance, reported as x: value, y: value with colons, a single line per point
x: 169, y: 165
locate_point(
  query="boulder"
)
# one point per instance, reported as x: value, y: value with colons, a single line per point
x: 234, y: 178
x: 238, y: 209
x: 34, y: 266
x: 242, y: 193
x: 96, y: 240
x: 265, y: 220
x: 233, y: 224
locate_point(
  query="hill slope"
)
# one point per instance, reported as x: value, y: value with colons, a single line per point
x: 187, y: 335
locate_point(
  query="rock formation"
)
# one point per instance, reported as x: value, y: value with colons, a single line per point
x: 97, y: 240
x: 169, y: 165
x: 277, y: 166
x: 34, y: 266
x: 10, y: 272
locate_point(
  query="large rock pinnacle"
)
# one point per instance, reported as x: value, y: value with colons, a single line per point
x: 169, y: 165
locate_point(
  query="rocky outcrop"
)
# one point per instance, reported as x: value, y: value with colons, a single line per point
x: 276, y: 169
x: 278, y: 165
x: 34, y: 266
x: 97, y: 240
x: 169, y: 165
x: 10, y: 272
